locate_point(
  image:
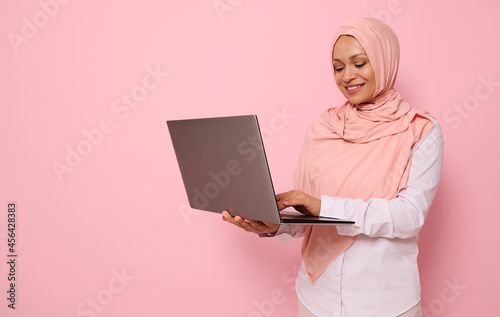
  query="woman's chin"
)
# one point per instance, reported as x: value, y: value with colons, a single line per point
x: 356, y: 100
x: 359, y: 97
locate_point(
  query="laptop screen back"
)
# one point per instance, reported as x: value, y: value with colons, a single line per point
x: 224, y: 167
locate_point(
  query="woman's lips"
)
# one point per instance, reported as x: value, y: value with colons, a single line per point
x: 352, y: 89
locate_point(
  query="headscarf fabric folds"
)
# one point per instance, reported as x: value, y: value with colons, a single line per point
x: 359, y: 151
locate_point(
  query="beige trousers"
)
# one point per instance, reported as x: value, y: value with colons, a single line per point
x: 416, y: 311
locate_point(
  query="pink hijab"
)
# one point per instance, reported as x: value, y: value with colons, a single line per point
x: 359, y: 151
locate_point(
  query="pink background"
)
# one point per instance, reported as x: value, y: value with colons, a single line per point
x: 112, y: 227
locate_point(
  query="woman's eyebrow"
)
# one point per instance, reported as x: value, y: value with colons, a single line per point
x: 352, y: 57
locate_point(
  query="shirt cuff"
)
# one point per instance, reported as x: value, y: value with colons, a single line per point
x: 283, y: 233
x: 330, y: 207
x: 334, y: 207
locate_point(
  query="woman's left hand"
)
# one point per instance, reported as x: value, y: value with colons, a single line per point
x: 302, y: 202
x: 258, y: 227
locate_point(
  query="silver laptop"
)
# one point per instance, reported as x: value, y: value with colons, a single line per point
x: 224, y: 167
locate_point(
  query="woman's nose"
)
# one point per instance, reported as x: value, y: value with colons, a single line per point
x: 349, y: 74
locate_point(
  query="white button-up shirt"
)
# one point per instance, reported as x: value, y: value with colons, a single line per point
x: 378, y: 274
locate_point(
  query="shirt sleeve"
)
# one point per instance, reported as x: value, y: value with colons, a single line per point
x: 403, y: 216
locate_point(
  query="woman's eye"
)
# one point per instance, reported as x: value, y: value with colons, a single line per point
x: 338, y: 69
x: 360, y: 65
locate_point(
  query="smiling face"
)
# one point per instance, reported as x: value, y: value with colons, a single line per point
x: 354, y: 74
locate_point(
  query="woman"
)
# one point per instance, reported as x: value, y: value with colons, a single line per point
x: 374, y: 160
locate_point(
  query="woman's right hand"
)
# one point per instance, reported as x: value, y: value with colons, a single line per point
x: 258, y: 227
